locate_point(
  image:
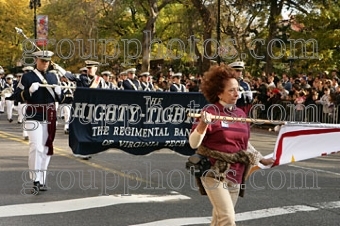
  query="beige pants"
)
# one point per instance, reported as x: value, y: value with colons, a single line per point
x: 223, y: 197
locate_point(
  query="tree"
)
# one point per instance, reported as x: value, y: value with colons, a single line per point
x: 151, y: 11
x: 73, y: 28
x: 101, y: 29
x: 242, y: 25
x: 321, y: 24
x: 10, y: 41
x: 208, y: 23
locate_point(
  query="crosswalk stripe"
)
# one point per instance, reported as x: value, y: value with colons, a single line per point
x: 245, y: 216
x: 84, y: 203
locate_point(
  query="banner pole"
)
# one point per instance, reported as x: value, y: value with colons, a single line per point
x: 52, y: 86
x: 236, y: 119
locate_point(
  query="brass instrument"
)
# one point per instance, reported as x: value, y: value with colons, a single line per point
x: 7, y: 92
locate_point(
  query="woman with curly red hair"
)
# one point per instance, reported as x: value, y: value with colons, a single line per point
x: 221, y: 88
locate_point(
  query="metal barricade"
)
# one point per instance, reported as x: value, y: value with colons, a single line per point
x: 288, y: 111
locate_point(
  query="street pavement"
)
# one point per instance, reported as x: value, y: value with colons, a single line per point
x: 116, y: 188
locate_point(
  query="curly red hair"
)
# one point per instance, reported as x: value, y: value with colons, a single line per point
x: 214, y: 80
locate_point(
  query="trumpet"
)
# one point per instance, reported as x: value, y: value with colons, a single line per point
x: 7, y: 92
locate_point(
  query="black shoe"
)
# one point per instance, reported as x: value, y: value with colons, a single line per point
x: 19, y: 122
x: 83, y: 157
x: 43, y: 187
x: 66, y: 131
x: 36, y: 188
x: 86, y: 157
x: 26, y: 138
x: 10, y: 120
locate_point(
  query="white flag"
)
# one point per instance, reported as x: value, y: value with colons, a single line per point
x: 298, y: 142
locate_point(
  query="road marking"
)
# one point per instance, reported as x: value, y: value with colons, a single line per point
x: 314, y: 169
x: 178, y: 221
x: 245, y: 216
x: 81, y: 204
x: 67, y: 154
x: 10, y: 136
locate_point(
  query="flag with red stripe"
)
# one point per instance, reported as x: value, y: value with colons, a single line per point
x: 298, y: 142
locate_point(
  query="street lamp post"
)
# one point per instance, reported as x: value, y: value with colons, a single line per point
x: 33, y: 5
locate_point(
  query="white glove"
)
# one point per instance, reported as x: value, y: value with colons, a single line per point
x: 249, y: 94
x: 57, y: 90
x: 239, y: 94
x: 34, y: 87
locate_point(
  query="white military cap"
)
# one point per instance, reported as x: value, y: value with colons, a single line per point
x: 91, y: 63
x: 131, y: 70
x: 178, y: 74
x: 28, y: 68
x: 18, y: 74
x: 2, y: 71
x: 44, y: 55
x: 123, y: 73
x: 146, y: 74
x: 83, y: 69
x: 108, y: 73
x: 9, y: 76
x: 237, y: 65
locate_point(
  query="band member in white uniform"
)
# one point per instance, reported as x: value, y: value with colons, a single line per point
x: 106, y: 76
x: 131, y: 83
x: 245, y: 95
x: 68, y: 89
x: 7, y: 93
x: 95, y: 80
x: 90, y: 79
x: 2, y: 87
x: 145, y: 84
x: 121, y: 77
x: 22, y: 105
x: 40, y: 120
x: 176, y: 85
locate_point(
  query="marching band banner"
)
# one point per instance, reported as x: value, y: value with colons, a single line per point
x: 132, y: 121
x: 140, y: 122
x: 42, y: 30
